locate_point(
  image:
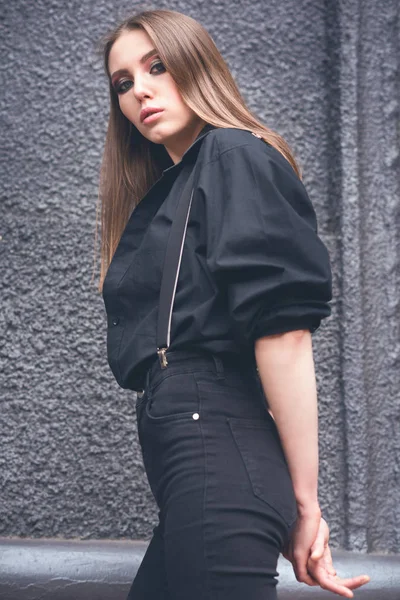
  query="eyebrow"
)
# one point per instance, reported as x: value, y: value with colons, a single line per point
x: 142, y: 61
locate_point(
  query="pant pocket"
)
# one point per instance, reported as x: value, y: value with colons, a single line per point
x: 262, y: 454
x: 173, y: 398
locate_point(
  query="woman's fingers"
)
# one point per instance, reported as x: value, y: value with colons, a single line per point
x: 301, y: 574
x: 299, y: 563
x: 343, y: 587
x: 320, y: 551
x: 354, y: 582
x: 328, y: 561
x: 331, y: 582
x: 325, y: 561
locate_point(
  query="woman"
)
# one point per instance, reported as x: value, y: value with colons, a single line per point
x: 226, y: 407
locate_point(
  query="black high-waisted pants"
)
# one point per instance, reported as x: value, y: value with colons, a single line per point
x: 215, y: 465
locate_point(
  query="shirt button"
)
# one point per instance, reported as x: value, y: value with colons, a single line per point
x: 195, y: 416
x: 115, y: 321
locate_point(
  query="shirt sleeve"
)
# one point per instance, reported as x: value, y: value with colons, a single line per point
x: 262, y: 244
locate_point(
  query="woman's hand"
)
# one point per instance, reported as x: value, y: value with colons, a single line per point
x: 298, y: 548
x: 320, y: 567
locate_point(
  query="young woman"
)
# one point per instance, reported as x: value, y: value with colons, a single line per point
x: 226, y: 405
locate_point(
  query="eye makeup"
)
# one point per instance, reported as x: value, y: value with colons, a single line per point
x: 117, y: 82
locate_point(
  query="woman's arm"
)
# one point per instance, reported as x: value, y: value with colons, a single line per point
x: 286, y: 367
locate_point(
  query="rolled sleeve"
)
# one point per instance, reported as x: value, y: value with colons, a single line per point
x: 262, y: 243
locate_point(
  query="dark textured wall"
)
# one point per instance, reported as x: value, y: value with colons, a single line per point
x: 323, y: 74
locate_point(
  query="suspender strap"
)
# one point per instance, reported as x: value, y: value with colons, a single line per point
x: 172, y: 263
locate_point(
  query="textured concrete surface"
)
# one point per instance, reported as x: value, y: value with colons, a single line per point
x: 104, y: 570
x: 323, y: 74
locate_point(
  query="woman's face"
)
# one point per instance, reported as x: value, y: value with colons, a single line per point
x: 142, y: 82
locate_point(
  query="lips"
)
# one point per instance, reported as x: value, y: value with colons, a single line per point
x: 148, y: 111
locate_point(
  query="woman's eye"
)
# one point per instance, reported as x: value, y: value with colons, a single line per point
x: 125, y: 85
x: 158, y: 64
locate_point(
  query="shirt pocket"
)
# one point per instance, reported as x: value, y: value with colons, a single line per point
x: 263, y: 458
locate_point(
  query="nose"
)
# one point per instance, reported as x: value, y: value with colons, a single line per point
x: 141, y: 90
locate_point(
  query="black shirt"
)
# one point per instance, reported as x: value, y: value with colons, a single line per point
x: 252, y: 264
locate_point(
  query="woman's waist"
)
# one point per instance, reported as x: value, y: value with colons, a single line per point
x: 225, y: 366
x: 134, y: 359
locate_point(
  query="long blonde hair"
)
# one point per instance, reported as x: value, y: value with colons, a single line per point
x: 131, y: 163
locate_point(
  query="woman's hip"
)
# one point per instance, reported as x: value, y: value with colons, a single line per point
x: 205, y: 430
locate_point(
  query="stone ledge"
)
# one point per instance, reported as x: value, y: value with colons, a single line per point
x: 57, y: 569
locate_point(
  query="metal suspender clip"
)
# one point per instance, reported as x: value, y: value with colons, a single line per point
x: 161, y: 355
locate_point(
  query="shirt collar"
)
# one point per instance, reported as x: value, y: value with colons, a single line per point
x: 207, y: 127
